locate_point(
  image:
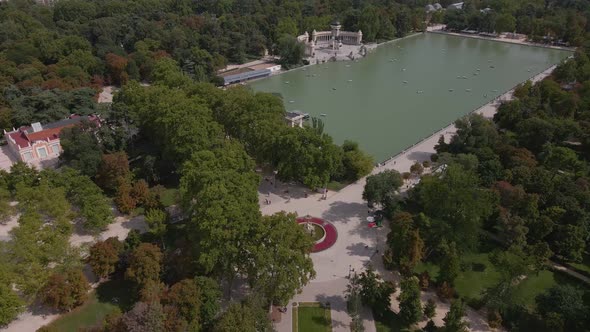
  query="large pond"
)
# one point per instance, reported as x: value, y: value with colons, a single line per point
x: 407, y: 89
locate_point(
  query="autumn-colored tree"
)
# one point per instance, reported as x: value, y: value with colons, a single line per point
x: 141, y: 192
x: 184, y: 298
x: 445, y: 291
x: 103, y: 258
x: 65, y: 290
x: 424, y: 278
x: 494, y: 319
x: 144, y: 317
x: 144, y: 264
x: 124, y: 200
x: 152, y: 291
x: 113, y: 168
x: 116, y: 65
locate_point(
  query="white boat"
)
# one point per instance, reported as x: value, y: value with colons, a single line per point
x: 286, y: 82
x: 291, y: 101
x: 467, y: 90
x: 323, y: 114
x: 349, y: 81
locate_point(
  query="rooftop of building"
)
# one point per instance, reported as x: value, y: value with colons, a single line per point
x: 24, y: 136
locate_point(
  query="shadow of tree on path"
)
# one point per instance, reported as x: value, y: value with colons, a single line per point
x: 419, y: 156
x: 359, y: 249
x: 337, y: 303
x: 343, y: 212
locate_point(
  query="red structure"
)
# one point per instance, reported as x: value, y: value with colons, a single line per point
x: 331, y: 233
x: 39, y: 145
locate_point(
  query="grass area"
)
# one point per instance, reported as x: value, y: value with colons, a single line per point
x: 390, y: 322
x: 318, y: 233
x: 294, y: 318
x: 337, y: 186
x: 584, y: 265
x: 478, y: 273
x: 528, y: 289
x: 110, y: 297
x: 169, y: 196
x: 312, y: 317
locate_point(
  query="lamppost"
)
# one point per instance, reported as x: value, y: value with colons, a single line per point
x: 275, y: 172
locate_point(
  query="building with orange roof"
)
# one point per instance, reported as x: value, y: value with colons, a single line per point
x: 39, y: 145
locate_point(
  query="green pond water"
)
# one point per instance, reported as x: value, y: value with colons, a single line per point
x: 367, y: 100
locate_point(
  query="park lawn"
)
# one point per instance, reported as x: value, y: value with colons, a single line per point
x: 100, y: 303
x: 312, y: 317
x: 169, y: 197
x: 479, y: 274
x: 534, y: 285
x: 471, y: 282
x: 390, y: 322
x: 528, y: 289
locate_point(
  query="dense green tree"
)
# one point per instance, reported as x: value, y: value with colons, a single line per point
x: 290, y: 51
x: 308, y: 156
x: 457, y: 203
x: 220, y: 187
x: 430, y: 309
x: 505, y: 23
x: 454, y: 318
x: 410, y: 307
x: 374, y: 292
x: 356, y: 164
x: 80, y: 149
x: 210, y: 300
x: 156, y: 220
x: 450, y: 265
x: 10, y: 304
x: 566, y: 301
x: 381, y: 185
x: 282, y: 265
x: 245, y: 316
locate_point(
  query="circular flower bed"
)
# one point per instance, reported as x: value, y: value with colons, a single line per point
x: 330, y: 236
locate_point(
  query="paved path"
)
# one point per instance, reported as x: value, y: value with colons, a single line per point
x: 357, y: 245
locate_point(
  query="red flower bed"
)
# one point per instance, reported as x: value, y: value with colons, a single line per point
x: 331, y: 233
